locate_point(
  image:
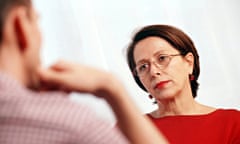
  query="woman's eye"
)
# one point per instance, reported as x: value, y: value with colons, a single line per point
x: 162, y: 58
x: 143, y: 67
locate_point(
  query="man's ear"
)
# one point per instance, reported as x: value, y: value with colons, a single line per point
x: 21, y: 27
x: 190, y: 61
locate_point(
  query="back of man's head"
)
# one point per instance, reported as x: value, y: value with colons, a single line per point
x: 5, y: 7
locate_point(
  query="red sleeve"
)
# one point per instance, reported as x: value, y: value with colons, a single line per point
x: 236, y: 126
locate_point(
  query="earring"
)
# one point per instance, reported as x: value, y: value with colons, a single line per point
x: 150, y: 96
x: 191, y: 77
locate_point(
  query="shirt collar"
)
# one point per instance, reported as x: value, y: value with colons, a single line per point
x: 8, y: 82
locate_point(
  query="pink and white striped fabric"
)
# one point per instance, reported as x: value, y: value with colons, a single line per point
x: 28, y: 117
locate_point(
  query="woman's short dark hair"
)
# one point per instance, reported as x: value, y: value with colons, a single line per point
x: 174, y: 36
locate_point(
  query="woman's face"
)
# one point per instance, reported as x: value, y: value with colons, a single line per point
x: 163, y: 76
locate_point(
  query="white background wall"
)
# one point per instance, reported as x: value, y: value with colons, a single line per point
x: 96, y: 32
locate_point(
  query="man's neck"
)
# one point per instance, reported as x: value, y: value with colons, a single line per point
x: 11, y: 64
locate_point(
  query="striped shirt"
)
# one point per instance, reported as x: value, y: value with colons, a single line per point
x: 28, y: 117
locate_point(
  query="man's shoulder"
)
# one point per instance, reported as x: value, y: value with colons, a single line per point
x: 49, y: 107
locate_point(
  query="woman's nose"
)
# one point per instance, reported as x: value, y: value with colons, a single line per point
x: 154, y: 69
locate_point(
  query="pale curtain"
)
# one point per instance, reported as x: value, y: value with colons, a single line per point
x: 96, y: 32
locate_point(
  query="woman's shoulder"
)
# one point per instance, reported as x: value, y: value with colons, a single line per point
x: 226, y: 115
x: 228, y: 112
x: 215, y: 113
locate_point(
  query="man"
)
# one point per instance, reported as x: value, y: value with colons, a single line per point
x: 28, y: 116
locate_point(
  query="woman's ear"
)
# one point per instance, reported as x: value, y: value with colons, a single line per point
x: 190, y: 61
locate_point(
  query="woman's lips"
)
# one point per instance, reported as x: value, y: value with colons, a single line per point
x: 161, y: 84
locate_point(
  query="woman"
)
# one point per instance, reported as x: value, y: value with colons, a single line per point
x: 165, y: 63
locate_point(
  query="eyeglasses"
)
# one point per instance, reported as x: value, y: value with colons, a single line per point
x: 161, y: 62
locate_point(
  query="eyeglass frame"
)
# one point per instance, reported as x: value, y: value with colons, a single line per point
x: 170, y: 56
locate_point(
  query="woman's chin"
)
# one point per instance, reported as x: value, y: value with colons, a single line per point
x: 165, y: 95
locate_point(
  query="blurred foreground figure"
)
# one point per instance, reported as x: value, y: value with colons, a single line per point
x: 28, y: 116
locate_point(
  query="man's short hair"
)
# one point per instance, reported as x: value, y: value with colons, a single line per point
x: 5, y: 7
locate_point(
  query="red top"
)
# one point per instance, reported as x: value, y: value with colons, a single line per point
x: 219, y: 127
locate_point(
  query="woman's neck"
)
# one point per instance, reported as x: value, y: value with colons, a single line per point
x: 185, y: 105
